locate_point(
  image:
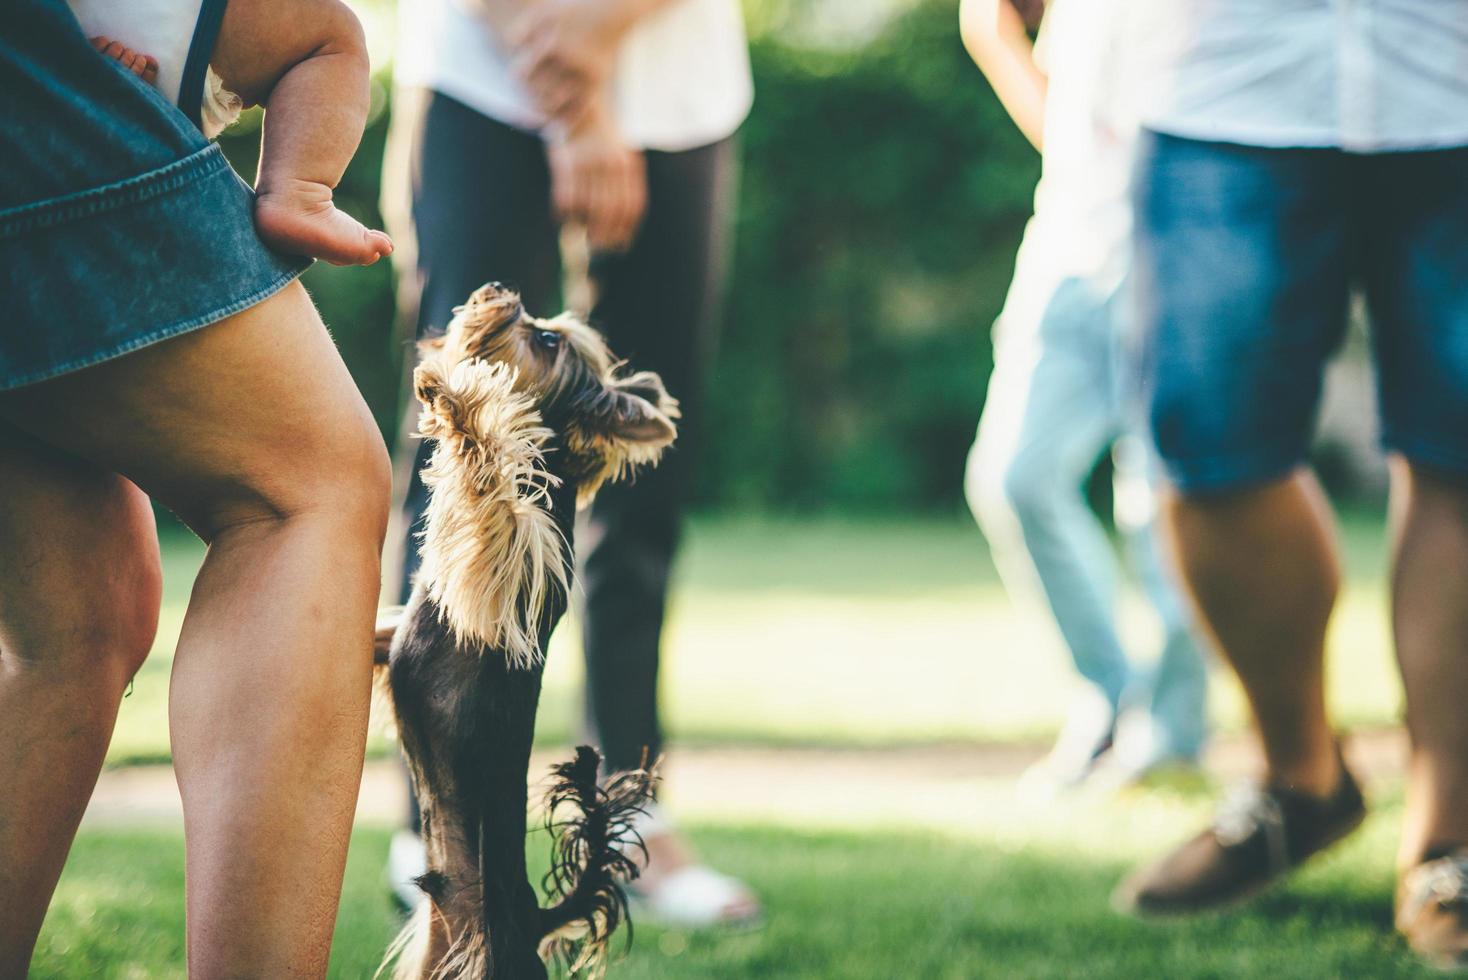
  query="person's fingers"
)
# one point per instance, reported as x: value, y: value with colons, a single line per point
x: 536, y: 60
x: 614, y: 222
x: 555, y: 88
x: 150, y: 70
x: 138, y: 65
x: 636, y: 195
x: 567, y: 187
x: 601, y: 212
x: 114, y: 50
x: 629, y: 198
x: 523, y: 31
x: 575, y: 112
x: 101, y: 41
x: 627, y: 207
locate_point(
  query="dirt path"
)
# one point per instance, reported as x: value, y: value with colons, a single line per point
x: 789, y: 785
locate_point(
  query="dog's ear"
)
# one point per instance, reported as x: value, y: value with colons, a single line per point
x: 627, y: 424
x: 444, y: 416
x: 636, y: 416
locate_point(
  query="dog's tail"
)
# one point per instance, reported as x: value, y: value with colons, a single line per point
x: 595, y: 837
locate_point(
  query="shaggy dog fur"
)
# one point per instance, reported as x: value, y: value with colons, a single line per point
x: 529, y: 418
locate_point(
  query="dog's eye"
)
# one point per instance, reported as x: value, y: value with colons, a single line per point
x: 548, y: 339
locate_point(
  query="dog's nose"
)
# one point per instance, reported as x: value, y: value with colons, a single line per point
x: 496, y: 285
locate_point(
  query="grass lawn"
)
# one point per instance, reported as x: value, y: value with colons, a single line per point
x: 841, y: 632
x: 1014, y: 893
x: 851, y: 634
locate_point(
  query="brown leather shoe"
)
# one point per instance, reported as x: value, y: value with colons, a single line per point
x: 1432, y: 910
x: 1259, y: 835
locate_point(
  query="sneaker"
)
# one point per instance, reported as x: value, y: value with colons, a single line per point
x: 1259, y: 835
x: 1141, y: 750
x: 1432, y: 910
x: 407, y: 859
x: 1088, y: 734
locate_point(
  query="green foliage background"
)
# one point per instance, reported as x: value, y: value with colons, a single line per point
x: 883, y: 194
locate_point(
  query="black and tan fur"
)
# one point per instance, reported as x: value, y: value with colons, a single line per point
x: 529, y: 418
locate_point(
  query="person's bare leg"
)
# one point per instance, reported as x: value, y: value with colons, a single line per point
x: 79, y: 594
x: 306, y: 61
x: 253, y: 432
x: 1261, y: 565
x: 1430, y: 622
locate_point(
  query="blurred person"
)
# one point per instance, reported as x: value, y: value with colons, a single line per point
x: 617, y: 116
x: 1062, y: 391
x: 153, y: 347
x: 1292, y: 154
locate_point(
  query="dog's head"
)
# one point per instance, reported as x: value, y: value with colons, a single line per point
x: 524, y: 411
x: 607, y: 420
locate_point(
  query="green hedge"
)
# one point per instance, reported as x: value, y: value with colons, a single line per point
x: 883, y: 193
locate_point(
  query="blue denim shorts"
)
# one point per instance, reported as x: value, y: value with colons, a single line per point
x: 120, y: 225
x: 1246, y: 259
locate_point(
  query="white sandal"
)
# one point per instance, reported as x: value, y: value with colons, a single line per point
x: 693, y: 897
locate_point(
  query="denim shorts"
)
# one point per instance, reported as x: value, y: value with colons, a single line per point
x: 120, y: 225
x: 1246, y: 259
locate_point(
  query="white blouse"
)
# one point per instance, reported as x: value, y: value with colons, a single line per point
x: 682, y: 79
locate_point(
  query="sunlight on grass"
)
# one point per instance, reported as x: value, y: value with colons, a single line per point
x: 849, y: 632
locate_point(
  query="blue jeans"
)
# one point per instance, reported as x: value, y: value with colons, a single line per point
x: 1058, y: 397
x: 1246, y: 258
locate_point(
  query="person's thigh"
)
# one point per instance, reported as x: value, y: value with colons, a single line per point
x: 1415, y: 255
x: 254, y: 417
x: 1242, y: 274
x: 481, y: 208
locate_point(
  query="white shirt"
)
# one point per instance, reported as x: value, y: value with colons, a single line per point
x: 1360, y: 75
x: 1083, y: 216
x: 164, y: 30
x: 1081, y: 202
x: 682, y: 78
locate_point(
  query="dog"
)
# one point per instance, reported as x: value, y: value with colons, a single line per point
x: 529, y: 417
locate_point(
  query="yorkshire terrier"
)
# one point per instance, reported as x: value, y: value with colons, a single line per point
x: 529, y: 417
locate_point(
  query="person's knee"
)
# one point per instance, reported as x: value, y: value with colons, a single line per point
x: 353, y: 491
x: 362, y: 492
x: 121, y: 597
x: 342, y: 480
x: 99, y: 598
x: 123, y: 629
x: 1022, y: 488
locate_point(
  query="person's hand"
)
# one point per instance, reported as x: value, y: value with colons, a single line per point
x: 597, y: 180
x: 565, y: 51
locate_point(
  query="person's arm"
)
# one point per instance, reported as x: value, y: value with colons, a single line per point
x: 564, y: 51
x: 995, y: 36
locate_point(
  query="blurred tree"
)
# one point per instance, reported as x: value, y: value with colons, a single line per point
x: 882, y: 200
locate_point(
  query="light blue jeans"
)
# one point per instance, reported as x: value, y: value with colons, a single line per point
x: 1059, y: 396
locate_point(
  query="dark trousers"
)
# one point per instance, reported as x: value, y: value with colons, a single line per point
x: 481, y: 212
